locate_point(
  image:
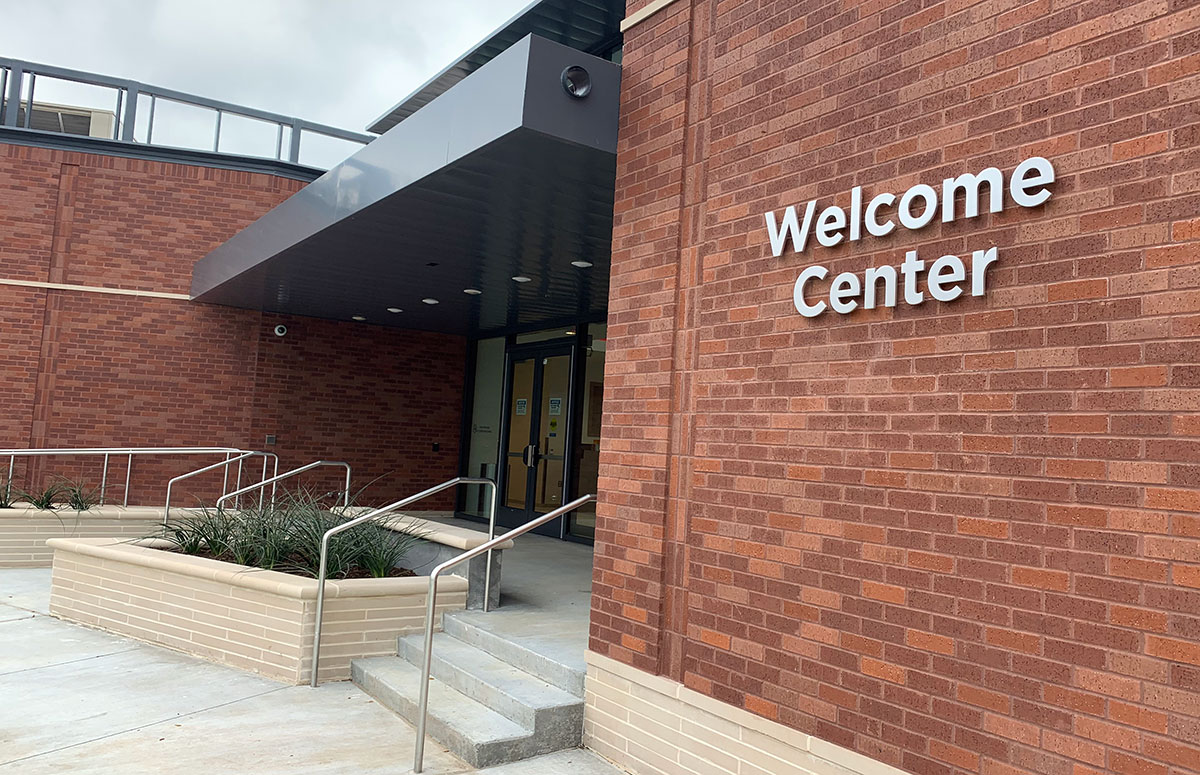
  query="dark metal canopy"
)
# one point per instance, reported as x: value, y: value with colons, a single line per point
x: 591, y: 26
x: 505, y: 175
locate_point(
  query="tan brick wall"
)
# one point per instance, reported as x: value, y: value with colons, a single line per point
x: 23, y: 533
x: 962, y: 537
x: 652, y: 725
x: 260, y: 621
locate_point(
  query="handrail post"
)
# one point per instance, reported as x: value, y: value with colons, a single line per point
x: 221, y: 463
x: 129, y: 120
x: 238, y: 493
x: 128, y: 474
x: 487, y: 571
x: 374, y: 514
x: 262, y: 491
x: 12, y: 462
x: 431, y: 611
x: 104, y: 479
x: 237, y: 502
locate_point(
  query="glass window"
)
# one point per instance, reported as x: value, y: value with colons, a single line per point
x: 566, y: 332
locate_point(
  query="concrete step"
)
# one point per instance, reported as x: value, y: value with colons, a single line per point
x: 554, y: 715
x: 473, y: 732
x: 537, y: 651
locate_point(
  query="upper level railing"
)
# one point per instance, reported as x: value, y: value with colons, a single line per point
x: 133, y: 100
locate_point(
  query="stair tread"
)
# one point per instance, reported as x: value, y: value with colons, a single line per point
x: 451, y: 707
x: 481, y: 666
x: 546, y: 653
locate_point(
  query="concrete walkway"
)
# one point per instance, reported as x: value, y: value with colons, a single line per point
x: 82, y: 701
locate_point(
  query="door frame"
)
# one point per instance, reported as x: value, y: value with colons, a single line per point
x: 505, y: 515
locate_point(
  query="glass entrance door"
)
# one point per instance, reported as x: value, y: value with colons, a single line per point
x: 539, y: 395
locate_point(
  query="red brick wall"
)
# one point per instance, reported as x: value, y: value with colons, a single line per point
x: 94, y: 369
x: 959, y: 537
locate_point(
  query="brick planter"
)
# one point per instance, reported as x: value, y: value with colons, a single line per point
x: 24, y: 531
x: 256, y: 620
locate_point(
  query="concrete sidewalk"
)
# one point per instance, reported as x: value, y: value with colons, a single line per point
x: 82, y: 701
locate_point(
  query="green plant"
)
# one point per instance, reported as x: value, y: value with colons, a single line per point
x: 7, y: 493
x: 78, y: 496
x: 381, y: 548
x: 286, y: 535
x: 42, y: 499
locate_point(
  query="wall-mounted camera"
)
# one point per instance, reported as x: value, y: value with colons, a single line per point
x: 280, y: 330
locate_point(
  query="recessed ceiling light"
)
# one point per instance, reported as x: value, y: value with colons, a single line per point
x: 522, y: 278
x: 429, y: 301
x: 359, y: 318
x: 581, y: 264
x: 394, y: 309
x: 570, y: 333
x: 472, y: 291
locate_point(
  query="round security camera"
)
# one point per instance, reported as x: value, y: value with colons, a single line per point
x: 280, y: 330
x: 577, y: 82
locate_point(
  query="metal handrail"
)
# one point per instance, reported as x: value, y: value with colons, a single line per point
x: 219, y: 464
x: 430, y: 609
x: 391, y: 507
x: 107, y: 452
x: 288, y: 475
x: 125, y: 114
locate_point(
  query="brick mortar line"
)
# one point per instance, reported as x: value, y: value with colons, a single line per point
x: 94, y: 289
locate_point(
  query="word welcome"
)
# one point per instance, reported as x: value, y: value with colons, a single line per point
x: 915, y: 209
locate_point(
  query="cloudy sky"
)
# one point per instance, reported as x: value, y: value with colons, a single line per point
x: 338, y: 62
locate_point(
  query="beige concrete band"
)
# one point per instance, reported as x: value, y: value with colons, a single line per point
x: 652, y: 725
x: 95, y: 289
x: 639, y: 16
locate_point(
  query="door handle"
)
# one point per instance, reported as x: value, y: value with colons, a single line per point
x: 530, y: 456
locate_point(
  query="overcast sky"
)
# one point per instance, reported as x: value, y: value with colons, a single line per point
x: 338, y: 62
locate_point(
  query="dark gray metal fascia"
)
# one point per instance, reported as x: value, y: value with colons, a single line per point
x: 492, y: 102
x: 104, y: 147
x: 579, y: 24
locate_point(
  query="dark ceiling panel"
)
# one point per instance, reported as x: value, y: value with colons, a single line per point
x: 527, y: 203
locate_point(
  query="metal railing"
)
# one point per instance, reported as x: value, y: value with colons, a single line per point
x: 228, y: 461
x: 392, y: 507
x: 287, y: 475
x: 108, y: 453
x: 15, y: 73
x: 431, y: 608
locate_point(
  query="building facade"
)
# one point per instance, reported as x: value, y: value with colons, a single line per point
x: 954, y: 537
x: 875, y: 327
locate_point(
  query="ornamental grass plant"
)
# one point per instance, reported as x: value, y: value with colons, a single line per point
x: 286, y: 536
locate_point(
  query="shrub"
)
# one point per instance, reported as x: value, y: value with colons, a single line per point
x: 42, y: 499
x: 287, y: 535
x: 380, y: 549
x: 7, y: 494
x: 78, y: 496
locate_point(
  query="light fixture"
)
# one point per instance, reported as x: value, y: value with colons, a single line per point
x: 581, y: 264
x: 522, y: 278
x: 472, y: 291
x: 429, y: 301
x: 570, y: 333
x: 394, y: 309
x: 359, y: 318
x: 577, y: 82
